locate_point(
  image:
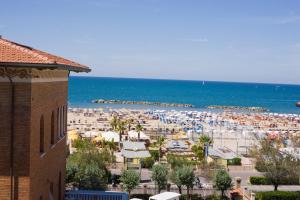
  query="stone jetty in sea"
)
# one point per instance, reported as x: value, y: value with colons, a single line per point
x: 255, y: 109
x: 148, y: 103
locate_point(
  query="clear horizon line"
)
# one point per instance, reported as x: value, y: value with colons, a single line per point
x: 173, y: 79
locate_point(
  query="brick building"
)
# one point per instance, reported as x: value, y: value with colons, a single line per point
x: 33, y: 111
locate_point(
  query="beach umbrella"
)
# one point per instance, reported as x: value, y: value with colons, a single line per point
x: 90, y: 134
x: 110, y: 136
x: 98, y: 139
x: 73, y: 135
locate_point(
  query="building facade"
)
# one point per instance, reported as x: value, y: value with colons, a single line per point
x: 33, y: 118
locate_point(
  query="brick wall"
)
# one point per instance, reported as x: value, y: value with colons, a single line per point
x: 36, y: 174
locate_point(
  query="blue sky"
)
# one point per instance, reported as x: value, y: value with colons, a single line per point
x: 225, y: 40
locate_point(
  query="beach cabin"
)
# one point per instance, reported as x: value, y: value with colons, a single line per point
x: 166, y: 196
x: 132, y: 153
x: 220, y: 156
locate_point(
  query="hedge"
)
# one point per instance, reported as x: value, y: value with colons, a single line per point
x: 278, y: 195
x: 141, y: 196
x: 235, y: 161
x: 147, y: 162
x: 261, y: 180
x: 154, y: 154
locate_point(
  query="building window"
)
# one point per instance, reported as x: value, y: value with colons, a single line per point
x: 61, y: 121
x: 59, y: 186
x: 42, y: 134
x: 58, y: 123
x: 51, y: 191
x: 52, y: 129
x: 65, y: 119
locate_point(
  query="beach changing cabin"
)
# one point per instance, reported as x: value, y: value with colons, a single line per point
x: 133, y: 152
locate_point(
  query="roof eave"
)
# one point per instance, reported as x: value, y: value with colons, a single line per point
x: 42, y: 66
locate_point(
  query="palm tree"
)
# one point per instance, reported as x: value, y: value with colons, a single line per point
x: 138, y: 129
x: 121, y: 127
x: 129, y: 123
x: 160, y: 142
x: 204, y: 139
x: 112, y: 147
x: 114, y: 122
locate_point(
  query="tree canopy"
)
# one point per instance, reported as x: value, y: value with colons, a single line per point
x: 222, y: 181
x: 274, y: 163
x: 130, y: 180
x: 183, y: 176
x: 87, y: 168
x: 159, y: 176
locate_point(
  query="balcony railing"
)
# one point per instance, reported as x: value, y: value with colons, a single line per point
x: 94, y: 195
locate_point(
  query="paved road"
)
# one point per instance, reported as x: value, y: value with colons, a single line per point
x: 244, y: 175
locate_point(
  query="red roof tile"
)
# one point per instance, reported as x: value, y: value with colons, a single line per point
x: 12, y: 53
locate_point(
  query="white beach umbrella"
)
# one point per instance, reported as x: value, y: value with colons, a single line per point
x: 90, y: 134
x: 111, y: 136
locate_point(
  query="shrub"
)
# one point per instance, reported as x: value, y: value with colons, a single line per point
x: 261, y: 180
x: 154, y: 154
x: 235, y: 161
x: 147, y: 162
x: 278, y: 195
x: 141, y: 196
x: 192, y: 197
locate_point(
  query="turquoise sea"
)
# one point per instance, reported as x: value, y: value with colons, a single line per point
x: 275, y: 97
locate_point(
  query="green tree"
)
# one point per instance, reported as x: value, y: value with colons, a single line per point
x: 222, y: 181
x: 175, y: 179
x: 147, y: 162
x: 111, y: 146
x: 114, y: 122
x: 275, y: 164
x: 176, y: 161
x: 154, y: 154
x: 87, y: 168
x: 129, y: 123
x: 121, y: 127
x: 186, y: 177
x: 81, y: 144
x: 159, y: 144
x: 205, y: 139
x: 138, y: 129
x: 130, y: 180
x: 159, y: 176
x: 198, y: 148
x: 198, y: 151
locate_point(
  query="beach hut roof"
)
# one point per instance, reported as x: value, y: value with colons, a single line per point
x: 135, y: 154
x: 128, y: 145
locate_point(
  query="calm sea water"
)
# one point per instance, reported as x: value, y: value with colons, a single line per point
x: 275, y: 97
